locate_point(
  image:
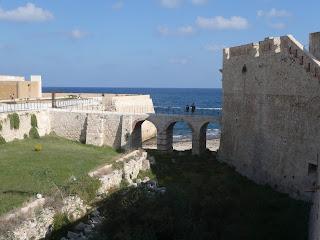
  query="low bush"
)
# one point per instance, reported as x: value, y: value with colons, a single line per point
x: 38, y: 147
x: 85, y: 187
x: 2, y: 140
x: 60, y: 220
x: 25, y: 136
x: 33, y: 133
x: 14, y: 121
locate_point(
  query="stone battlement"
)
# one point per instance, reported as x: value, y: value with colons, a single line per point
x: 268, y: 45
x: 285, y: 45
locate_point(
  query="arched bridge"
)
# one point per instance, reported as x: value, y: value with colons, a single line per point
x: 164, y: 124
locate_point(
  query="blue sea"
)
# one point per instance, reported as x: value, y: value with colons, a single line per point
x: 168, y: 100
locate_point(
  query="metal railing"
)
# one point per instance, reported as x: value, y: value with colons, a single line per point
x: 95, y: 104
x: 74, y: 104
x: 182, y: 111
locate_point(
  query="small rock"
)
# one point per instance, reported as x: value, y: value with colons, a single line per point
x: 72, y: 235
x: 73, y: 178
x: 152, y: 185
x: 95, y: 220
x: 162, y: 190
x: 95, y: 213
x: 80, y: 226
x: 146, y: 179
x: 152, y: 160
x: 39, y: 195
x: 88, y: 230
x: 138, y: 181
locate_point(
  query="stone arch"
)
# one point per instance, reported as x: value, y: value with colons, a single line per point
x: 136, y: 134
x: 203, y: 135
x: 165, y: 134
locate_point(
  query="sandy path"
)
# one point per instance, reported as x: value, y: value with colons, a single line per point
x: 212, y: 144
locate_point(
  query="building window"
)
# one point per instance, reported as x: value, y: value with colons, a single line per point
x: 244, y: 69
x: 312, y: 168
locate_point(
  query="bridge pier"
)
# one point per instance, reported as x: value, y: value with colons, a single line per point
x: 164, y: 141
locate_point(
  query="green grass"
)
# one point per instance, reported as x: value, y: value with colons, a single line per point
x: 205, y: 199
x: 25, y: 172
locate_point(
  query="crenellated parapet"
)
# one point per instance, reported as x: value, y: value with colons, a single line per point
x: 282, y: 45
x: 268, y: 45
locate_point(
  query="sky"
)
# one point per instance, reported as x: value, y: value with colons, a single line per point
x: 139, y: 43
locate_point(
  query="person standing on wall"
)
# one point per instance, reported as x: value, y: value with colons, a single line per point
x: 193, y: 107
x: 187, y: 108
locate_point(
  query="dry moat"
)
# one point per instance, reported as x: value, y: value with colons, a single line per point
x: 202, y: 199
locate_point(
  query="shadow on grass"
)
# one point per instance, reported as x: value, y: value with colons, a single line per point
x: 205, y: 199
x: 18, y: 192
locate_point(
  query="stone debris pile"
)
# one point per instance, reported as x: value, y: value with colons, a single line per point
x: 85, y: 230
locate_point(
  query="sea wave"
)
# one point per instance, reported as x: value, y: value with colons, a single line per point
x: 211, y: 134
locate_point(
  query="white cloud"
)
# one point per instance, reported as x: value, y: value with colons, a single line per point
x: 274, y: 13
x: 27, y: 13
x: 163, y: 30
x: 170, y: 3
x: 181, y: 31
x: 186, y: 30
x: 220, y: 23
x: 77, y: 34
x: 278, y: 26
x: 118, y: 5
x: 214, y: 47
x: 179, y: 61
x: 199, y: 2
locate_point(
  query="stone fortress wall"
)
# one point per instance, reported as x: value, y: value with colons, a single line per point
x: 120, y: 103
x: 117, y: 130
x: 9, y: 134
x: 270, y: 120
x: 136, y: 104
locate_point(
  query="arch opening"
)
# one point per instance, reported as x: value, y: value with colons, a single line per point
x: 180, y: 135
x: 144, y: 135
x: 210, y: 136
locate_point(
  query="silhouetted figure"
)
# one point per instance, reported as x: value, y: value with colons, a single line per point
x: 193, y: 107
x: 187, y: 108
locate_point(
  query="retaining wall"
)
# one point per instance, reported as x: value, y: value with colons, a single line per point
x: 10, y: 134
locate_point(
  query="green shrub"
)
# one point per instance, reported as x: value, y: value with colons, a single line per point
x: 25, y: 136
x: 118, y: 165
x: 85, y: 187
x: 38, y: 147
x: 2, y: 140
x: 0, y: 126
x: 60, y: 220
x: 14, y: 121
x: 34, y: 121
x: 33, y: 133
x: 124, y: 183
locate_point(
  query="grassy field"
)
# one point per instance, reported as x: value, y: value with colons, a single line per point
x: 205, y: 200
x: 25, y: 172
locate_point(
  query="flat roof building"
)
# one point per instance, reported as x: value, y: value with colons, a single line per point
x: 17, y: 87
